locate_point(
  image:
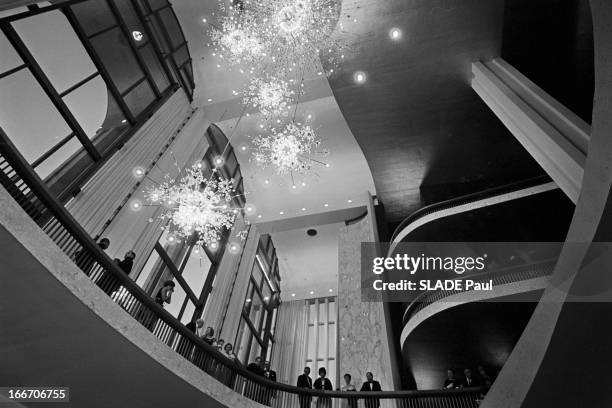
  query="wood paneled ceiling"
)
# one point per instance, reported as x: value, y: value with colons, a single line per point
x: 424, y: 132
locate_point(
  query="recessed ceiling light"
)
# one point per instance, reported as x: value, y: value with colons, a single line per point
x: 312, y: 292
x: 395, y: 33
x: 204, y: 20
x: 282, y: 213
x: 294, y: 186
x: 124, y: 120
x: 350, y: 201
x: 327, y: 165
x: 303, y: 184
x: 331, y: 290
x: 326, y: 205
x: 209, y: 99
x: 359, y: 77
x: 259, y: 216
x: 267, y: 181
x: 137, y: 35
x: 293, y: 294
x: 303, y: 208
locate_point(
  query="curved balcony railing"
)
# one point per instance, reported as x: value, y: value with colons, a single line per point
x: 503, y: 276
x: 468, y: 199
x: 33, y: 196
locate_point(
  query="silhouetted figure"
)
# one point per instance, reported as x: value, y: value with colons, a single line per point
x: 371, y: 385
x: 451, y: 381
x: 323, y: 384
x: 163, y: 296
x: 108, y: 282
x: 348, y: 387
x: 185, y: 346
x: 254, y: 390
x: 470, y: 380
x: 304, y: 381
x: 485, y: 378
x: 270, y: 375
x: 85, y: 261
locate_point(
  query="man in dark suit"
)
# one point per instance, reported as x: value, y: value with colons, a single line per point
x: 253, y: 390
x: 470, y: 379
x: 304, y: 381
x: 371, y: 385
x: 270, y: 375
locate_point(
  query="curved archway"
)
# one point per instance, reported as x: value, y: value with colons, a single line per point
x: 532, y: 370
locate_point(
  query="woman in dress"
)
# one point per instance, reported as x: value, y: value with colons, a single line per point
x: 348, y: 386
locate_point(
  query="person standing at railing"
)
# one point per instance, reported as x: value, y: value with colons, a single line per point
x: 323, y: 384
x: 108, y: 282
x: 270, y: 375
x: 84, y: 260
x: 185, y: 346
x: 253, y: 390
x: 470, y: 380
x: 371, y: 385
x: 163, y: 296
x: 451, y: 381
x: 348, y: 387
x: 304, y: 381
x: 227, y: 375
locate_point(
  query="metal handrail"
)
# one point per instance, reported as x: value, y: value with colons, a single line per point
x: 532, y: 270
x: 469, y: 198
x: 72, y: 238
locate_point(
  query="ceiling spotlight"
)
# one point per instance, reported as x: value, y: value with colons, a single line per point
x: 138, y: 172
x: 204, y: 20
x: 213, y: 245
x: 124, y: 121
x: 325, y: 205
x: 137, y: 35
x: 294, y: 186
x: 249, y: 209
x: 136, y: 205
x: 359, y: 77
x: 312, y: 292
x: 234, y: 248
x: 293, y: 294
x: 282, y: 213
x: 267, y: 181
x: 209, y: 99
x: 219, y: 161
x: 327, y: 165
x: 395, y: 33
x: 303, y: 208
x: 350, y: 201
x: 331, y: 290
x: 259, y: 216
x: 303, y: 184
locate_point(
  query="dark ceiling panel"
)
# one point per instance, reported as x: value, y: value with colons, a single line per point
x: 425, y: 134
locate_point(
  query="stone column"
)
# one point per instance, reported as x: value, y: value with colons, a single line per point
x: 362, y: 327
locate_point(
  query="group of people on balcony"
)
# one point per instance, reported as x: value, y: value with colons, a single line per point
x: 323, y: 383
x: 481, y: 379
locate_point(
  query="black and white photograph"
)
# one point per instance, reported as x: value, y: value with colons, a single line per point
x: 306, y: 203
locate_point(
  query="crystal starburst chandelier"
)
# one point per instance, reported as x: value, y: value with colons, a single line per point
x: 290, y: 150
x: 196, y: 204
x: 286, y: 37
x: 271, y: 96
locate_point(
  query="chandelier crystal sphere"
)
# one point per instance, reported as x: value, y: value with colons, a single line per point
x: 290, y: 150
x: 271, y: 96
x: 196, y: 204
x: 287, y: 37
